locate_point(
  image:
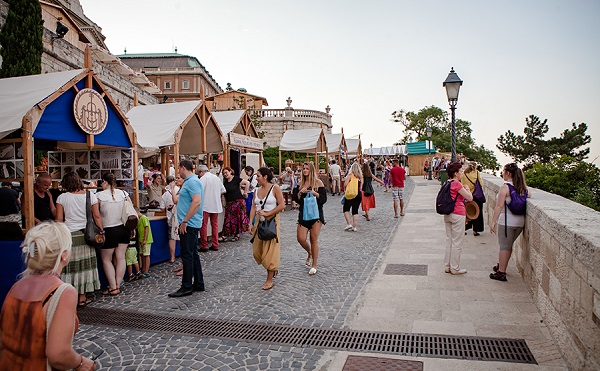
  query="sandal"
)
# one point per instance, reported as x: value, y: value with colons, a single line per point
x: 110, y: 292
x: 308, y: 262
x: 275, y: 273
x: 235, y: 238
x: 223, y: 239
x: 83, y: 303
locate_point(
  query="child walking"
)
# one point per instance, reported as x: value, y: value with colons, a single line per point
x: 131, y: 258
x: 145, y: 240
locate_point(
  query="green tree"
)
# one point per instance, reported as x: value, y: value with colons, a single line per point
x: 532, y: 148
x: 21, y: 39
x: 416, y: 124
x: 568, y: 177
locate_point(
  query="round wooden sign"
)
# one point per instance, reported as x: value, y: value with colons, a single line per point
x: 90, y: 111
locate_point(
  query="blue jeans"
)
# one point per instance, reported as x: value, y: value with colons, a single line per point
x: 190, y: 259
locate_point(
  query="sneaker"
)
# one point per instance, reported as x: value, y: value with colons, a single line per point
x: 458, y: 271
x: 181, y: 292
x: 348, y: 227
x: 500, y: 276
x: 354, y: 230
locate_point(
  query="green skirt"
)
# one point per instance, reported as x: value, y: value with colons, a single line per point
x: 82, y: 270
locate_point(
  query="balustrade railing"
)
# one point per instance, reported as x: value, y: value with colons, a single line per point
x: 266, y: 113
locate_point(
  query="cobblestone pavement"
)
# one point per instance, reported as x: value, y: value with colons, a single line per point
x: 233, y: 280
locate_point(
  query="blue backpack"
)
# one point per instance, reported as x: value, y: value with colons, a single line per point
x: 518, y: 203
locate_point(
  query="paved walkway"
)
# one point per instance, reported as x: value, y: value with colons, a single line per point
x: 349, y: 291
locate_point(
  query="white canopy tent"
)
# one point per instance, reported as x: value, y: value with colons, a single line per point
x: 19, y: 94
x: 185, y: 127
x: 303, y: 141
x: 238, y: 133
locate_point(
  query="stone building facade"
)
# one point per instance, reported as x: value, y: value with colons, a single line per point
x: 180, y: 77
x: 62, y: 54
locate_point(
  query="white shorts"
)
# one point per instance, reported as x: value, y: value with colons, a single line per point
x: 397, y: 193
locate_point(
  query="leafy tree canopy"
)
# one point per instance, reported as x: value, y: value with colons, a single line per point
x: 568, y: 177
x: 416, y: 124
x: 21, y: 39
x: 532, y: 148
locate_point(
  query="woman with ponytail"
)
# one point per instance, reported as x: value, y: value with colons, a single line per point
x: 511, y: 225
x: 112, y: 201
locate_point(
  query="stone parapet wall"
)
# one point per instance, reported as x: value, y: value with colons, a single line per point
x: 558, y: 256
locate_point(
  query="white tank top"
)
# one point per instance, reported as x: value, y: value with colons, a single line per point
x: 511, y: 220
x: 269, y: 204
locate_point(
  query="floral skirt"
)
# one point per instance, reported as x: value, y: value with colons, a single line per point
x: 82, y: 270
x: 236, y: 220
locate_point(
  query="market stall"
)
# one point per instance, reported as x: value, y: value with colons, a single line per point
x: 354, y: 148
x: 336, y: 145
x: 240, y: 136
x: 309, y: 141
x: 69, y: 115
x: 185, y: 128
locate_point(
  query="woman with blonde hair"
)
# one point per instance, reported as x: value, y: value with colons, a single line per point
x: 267, y: 204
x: 470, y: 177
x: 355, y: 174
x: 39, y: 318
x: 310, y: 186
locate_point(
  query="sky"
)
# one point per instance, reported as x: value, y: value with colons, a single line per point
x: 368, y: 59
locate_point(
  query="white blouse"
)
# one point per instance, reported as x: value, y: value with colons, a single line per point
x: 74, y: 209
x: 111, y: 209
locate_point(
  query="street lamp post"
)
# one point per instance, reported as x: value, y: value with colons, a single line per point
x: 452, y: 85
x: 429, y: 132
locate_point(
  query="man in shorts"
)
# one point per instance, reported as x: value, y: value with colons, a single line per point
x: 398, y: 175
x: 335, y: 173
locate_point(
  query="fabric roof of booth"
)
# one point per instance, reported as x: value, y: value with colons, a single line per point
x: 19, y: 94
x: 334, y: 141
x: 353, y: 145
x: 307, y: 140
x: 156, y: 125
x: 227, y: 120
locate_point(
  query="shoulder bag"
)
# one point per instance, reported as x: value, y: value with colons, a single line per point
x: 352, y: 188
x: 91, y: 234
x: 267, y: 228
x: 129, y: 216
x: 477, y: 189
x: 368, y: 188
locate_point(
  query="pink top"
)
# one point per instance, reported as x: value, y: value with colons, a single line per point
x: 459, y: 206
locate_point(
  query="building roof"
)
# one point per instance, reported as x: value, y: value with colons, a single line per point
x: 166, y: 60
x: 420, y: 148
x: 237, y: 92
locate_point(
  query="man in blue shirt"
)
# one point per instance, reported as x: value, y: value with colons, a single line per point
x: 189, y: 212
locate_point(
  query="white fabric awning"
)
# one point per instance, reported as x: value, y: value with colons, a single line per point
x: 309, y: 140
x: 333, y: 142
x: 19, y: 94
x: 155, y: 125
x: 227, y: 120
x: 353, y: 145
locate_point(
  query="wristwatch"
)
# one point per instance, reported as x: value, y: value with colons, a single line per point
x: 184, y: 222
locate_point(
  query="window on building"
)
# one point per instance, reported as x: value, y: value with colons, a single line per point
x: 185, y: 85
x: 167, y: 85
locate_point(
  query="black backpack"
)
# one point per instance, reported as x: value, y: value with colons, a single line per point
x: 444, y: 204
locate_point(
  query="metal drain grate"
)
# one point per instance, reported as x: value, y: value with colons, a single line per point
x: 416, y: 345
x: 360, y: 363
x: 405, y: 269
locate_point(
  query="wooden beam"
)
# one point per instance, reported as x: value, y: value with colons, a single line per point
x: 28, y: 172
x: 279, y: 162
x: 136, y: 187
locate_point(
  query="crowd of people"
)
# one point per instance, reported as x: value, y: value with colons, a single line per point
x: 62, y: 267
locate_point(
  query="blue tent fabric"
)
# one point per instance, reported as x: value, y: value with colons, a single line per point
x: 58, y: 123
x: 419, y: 148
